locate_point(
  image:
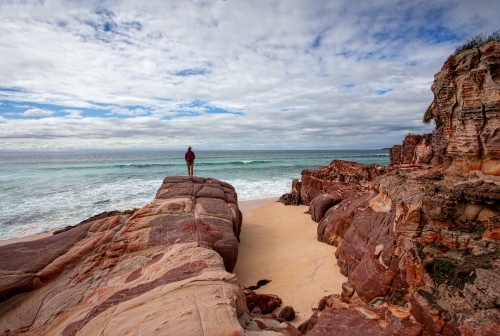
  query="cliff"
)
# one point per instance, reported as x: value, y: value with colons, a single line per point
x: 419, y: 240
x: 163, y: 269
x: 466, y: 112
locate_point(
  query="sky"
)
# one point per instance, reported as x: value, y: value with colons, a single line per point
x: 224, y: 74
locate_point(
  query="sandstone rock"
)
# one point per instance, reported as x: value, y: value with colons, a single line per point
x: 466, y: 109
x: 321, y: 204
x: 266, y: 303
x: 292, y: 198
x: 307, y: 325
x: 258, y: 324
x: 410, y: 238
x: 420, y: 240
x: 119, y: 273
x: 287, y: 313
x: 365, y: 320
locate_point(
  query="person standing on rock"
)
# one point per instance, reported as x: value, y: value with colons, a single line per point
x: 189, y: 157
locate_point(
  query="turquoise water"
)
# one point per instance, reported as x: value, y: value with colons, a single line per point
x: 46, y: 191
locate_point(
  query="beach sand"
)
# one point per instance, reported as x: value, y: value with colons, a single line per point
x: 279, y: 243
x: 27, y: 238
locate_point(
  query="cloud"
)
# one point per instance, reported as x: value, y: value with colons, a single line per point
x: 225, y: 74
x: 73, y: 114
x: 128, y: 112
x: 36, y: 112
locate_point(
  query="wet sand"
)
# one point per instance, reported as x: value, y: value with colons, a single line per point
x: 279, y: 243
x: 27, y: 238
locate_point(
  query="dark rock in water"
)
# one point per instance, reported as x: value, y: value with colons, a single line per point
x: 287, y: 313
x: 103, y: 202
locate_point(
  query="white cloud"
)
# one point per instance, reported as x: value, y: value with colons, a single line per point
x: 128, y: 112
x: 73, y: 114
x: 305, y: 74
x: 36, y: 112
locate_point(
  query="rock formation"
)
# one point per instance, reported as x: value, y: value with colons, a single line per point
x: 466, y: 110
x: 161, y: 270
x: 419, y: 240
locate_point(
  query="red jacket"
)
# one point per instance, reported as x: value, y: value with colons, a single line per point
x: 189, y: 156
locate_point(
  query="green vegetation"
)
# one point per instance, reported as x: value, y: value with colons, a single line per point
x: 443, y: 271
x: 427, y: 115
x: 479, y: 40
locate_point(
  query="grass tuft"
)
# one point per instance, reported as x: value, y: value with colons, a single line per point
x: 478, y: 40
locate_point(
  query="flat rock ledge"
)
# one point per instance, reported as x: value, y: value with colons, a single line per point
x: 163, y: 269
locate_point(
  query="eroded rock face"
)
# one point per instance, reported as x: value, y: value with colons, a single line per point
x: 420, y: 248
x: 163, y: 269
x: 466, y: 109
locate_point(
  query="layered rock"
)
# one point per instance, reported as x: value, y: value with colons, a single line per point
x: 414, y: 244
x: 466, y: 110
x: 163, y: 269
x: 419, y: 240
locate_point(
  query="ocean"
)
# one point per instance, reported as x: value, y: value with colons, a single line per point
x: 49, y: 190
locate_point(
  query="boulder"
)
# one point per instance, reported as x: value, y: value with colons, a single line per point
x: 287, y: 313
x: 162, y: 269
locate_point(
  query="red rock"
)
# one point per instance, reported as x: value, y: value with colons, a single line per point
x: 267, y: 303
x: 364, y: 320
x: 287, y: 313
x: 321, y: 204
x: 111, y: 273
x: 466, y: 110
x: 423, y: 234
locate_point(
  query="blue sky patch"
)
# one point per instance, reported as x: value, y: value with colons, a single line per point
x: 191, y: 72
x: 11, y: 89
x: 383, y: 91
x: 198, y: 106
x: 317, y: 42
x: 12, y: 109
x: 438, y: 34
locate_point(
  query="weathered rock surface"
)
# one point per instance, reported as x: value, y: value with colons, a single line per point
x: 287, y: 313
x: 265, y: 302
x: 421, y: 236
x: 466, y: 109
x: 420, y: 240
x: 161, y: 270
x: 421, y: 250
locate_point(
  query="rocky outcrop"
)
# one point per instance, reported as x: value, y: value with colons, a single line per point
x: 292, y: 198
x: 466, y: 110
x: 324, y: 180
x: 163, y: 269
x: 421, y: 249
x: 419, y: 240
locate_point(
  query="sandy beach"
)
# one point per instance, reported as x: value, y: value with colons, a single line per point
x: 279, y: 243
